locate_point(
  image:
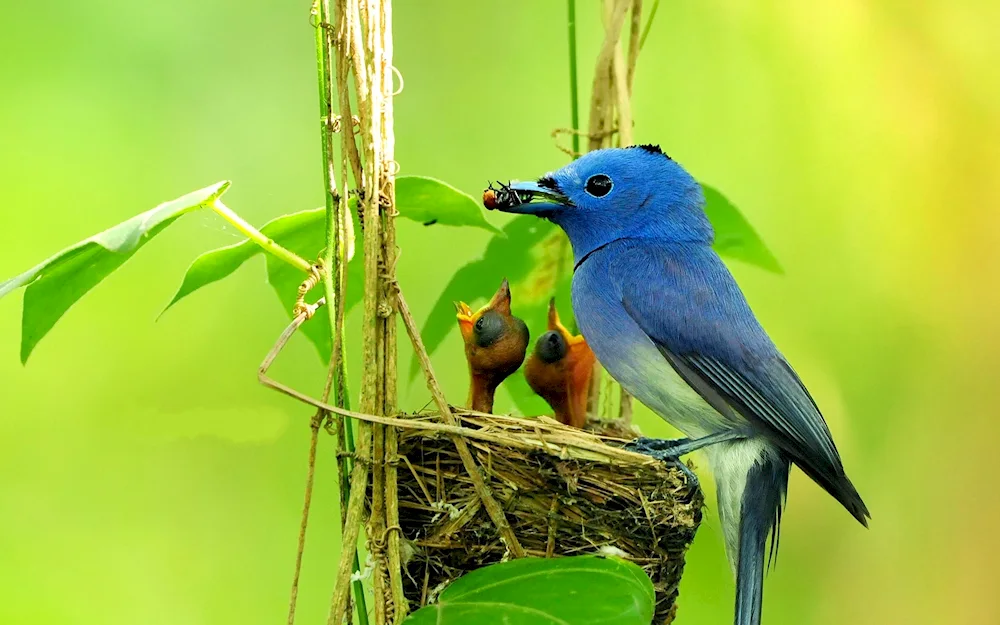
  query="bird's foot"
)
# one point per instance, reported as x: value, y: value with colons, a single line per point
x: 667, y: 451
x: 691, y: 478
x: 659, y: 448
x: 673, y: 448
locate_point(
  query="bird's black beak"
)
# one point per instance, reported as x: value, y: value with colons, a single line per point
x: 525, y: 198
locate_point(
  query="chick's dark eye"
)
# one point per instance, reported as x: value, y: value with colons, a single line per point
x: 598, y: 185
x: 551, y: 347
x: 488, y: 328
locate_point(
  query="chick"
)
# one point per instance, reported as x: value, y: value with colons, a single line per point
x: 495, y: 345
x: 559, y: 371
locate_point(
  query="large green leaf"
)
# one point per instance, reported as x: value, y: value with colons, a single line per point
x: 56, y: 284
x: 303, y: 233
x: 429, y: 200
x: 734, y: 236
x: 215, y: 265
x: 533, y: 591
x: 507, y: 255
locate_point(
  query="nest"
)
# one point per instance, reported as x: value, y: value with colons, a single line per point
x: 564, y: 492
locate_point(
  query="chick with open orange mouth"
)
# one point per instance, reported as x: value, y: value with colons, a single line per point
x: 495, y: 345
x: 559, y: 371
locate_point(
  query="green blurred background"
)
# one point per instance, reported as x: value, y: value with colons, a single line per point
x: 145, y: 477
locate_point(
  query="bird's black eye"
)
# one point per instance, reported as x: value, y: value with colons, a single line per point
x: 551, y: 347
x: 598, y: 185
x: 488, y: 328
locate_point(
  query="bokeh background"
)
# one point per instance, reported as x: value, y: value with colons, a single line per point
x: 146, y: 478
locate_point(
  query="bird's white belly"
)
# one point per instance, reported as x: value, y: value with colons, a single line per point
x: 647, y: 375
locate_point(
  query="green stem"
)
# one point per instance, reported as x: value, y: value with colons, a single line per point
x: 260, y: 238
x: 333, y: 259
x: 346, y: 403
x: 574, y: 106
x: 345, y: 483
x: 649, y: 23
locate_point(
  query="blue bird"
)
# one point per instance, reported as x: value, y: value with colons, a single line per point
x: 667, y: 320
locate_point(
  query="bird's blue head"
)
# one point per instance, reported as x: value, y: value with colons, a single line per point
x: 606, y: 195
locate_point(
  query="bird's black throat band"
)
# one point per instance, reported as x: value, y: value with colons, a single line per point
x: 587, y: 255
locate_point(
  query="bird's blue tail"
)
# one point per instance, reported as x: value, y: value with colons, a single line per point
x: 760, y: 513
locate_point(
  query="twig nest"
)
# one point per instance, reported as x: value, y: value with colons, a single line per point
x: 563, y: 491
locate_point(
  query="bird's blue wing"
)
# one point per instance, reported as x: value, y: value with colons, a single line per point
x: 685, y: 300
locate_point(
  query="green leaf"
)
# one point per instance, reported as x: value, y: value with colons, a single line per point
x: 56, y: 284
x: 429, y: 200
x: 506, y: 256
x: 534, y: 591
x: 303, y: 233
x: 217, y: 264
x: 734, y: 236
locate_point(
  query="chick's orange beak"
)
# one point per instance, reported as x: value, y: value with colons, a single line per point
x: 555, y: 324
x: 466, y: 319
x: 500, y: 301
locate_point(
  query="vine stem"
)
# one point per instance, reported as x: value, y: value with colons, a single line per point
x: 610, y: 103
x: 333, y: 259
x: 566, y: 251
x: 389, y: 334
x: 352, y: 53
x: 314, y: 426
x: 649, y: 23
x: 260, y: 238
x: 574, y: 104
